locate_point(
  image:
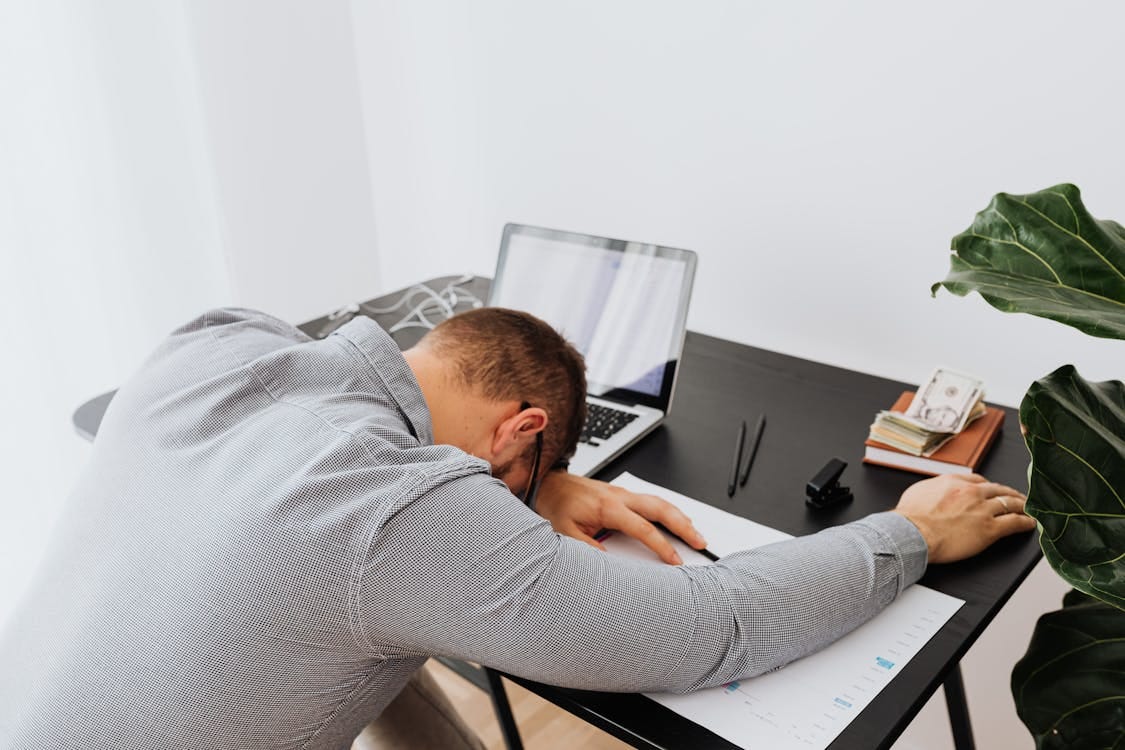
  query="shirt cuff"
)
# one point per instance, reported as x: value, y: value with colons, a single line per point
x: 904, y: 541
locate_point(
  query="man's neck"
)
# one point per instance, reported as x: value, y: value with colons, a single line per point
x: 460, y: 416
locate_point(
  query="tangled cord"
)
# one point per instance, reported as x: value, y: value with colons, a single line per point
x: 425, y: 308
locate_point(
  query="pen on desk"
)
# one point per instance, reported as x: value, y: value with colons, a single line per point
x: 753, y: 449
x: 739, y: 443
x: 705, y: 552
x: 708, y: 554
x: 606, y: 533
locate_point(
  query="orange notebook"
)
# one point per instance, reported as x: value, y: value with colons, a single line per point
x: 961, y: 455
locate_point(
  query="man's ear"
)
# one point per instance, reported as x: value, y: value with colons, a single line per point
x: 518, y: 430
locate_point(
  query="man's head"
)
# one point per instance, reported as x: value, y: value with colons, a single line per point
x: 493, y: 378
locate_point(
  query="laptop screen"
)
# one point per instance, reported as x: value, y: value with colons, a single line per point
x: 622, y: 304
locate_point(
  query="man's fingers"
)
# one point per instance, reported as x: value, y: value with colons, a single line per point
x: 1017, y: 504
x: 628, y: 522
x: 1008, y: 503
x: 669, y: 516
x: 1009, y: 517
x: 1002, y: 499
x: 991, y: 489
x: 1013, y: 523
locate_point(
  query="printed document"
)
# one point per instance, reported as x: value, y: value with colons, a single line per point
x: 807, y: 703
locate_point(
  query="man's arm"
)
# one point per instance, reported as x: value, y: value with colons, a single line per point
x: 579, y: 508
x: 466, y: 571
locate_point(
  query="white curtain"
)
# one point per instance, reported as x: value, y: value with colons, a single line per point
x: 108, y: 232
x: 158, y: 159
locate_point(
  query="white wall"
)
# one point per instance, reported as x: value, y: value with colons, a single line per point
x: 108, y: 237
x: 819, y: 156
x: 279, y: 93
x: 158, y: 159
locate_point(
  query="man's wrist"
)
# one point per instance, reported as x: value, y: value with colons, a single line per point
x: 923, y: 529
x: 901, y: 538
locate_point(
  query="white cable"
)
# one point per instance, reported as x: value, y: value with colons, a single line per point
x: 454, y: 288
x: 441, y: 304
x: 405, y: 299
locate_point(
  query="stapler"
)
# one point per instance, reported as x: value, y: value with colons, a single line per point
x: 824, y: 489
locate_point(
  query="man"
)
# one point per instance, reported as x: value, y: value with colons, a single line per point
x: 275, y: 533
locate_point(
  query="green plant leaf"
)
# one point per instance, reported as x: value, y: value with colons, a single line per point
x: 1069, y: 687
x: 1044, y: 254
x: 1075, y: 431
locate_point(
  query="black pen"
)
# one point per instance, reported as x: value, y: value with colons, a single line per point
x: 739, y: 443
x: 705, y: 552
x: 606, y: 533
x: 753, y: 449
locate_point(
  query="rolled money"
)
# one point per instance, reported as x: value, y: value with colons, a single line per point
x: 945, y: 402
x: 898, y: 431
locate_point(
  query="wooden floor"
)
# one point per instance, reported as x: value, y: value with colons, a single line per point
x: 542, y: 725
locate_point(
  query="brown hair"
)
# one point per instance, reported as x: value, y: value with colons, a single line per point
x: 508, y: 355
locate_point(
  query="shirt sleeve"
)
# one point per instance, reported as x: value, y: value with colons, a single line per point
x: 467, y: 571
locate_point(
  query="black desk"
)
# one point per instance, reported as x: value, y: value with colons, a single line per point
x: 815, y: 412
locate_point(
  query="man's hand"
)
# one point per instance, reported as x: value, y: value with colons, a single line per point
x: 579, y: 507
x: 960, y: 515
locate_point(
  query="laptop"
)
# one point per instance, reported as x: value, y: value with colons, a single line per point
x: 624, y: 307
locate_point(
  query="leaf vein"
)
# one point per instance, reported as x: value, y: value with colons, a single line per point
x: 1075, y: 234
x: 1097, y: 473
x: 1026, y: 249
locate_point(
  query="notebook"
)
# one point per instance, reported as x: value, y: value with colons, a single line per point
x: 624, y: 307
x: 961, y: 455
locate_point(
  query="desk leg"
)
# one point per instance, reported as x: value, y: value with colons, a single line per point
x: 503, y: 711
x: 958, y: 710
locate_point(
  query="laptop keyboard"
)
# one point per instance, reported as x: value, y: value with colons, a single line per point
x: 603, y: 422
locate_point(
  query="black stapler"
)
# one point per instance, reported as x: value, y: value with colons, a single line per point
x: 824, y: 489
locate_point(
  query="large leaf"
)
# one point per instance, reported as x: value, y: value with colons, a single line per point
x: 1069, y: 687
x: 1044, y: 254
x: 1075, y: 431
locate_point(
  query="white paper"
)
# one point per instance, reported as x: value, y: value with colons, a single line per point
x: 725, y: 532
x: 807, y: 703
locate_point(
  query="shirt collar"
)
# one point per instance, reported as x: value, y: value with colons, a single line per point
x: 389, y: 366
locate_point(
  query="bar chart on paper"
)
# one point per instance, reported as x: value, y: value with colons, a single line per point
x: 807, y: 703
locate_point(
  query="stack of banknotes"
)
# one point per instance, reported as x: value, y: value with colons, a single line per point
x: 940, y: 410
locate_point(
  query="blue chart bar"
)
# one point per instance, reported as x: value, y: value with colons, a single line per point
x: 805, y: 705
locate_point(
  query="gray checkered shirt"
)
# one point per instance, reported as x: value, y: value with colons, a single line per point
x: 267, y: 544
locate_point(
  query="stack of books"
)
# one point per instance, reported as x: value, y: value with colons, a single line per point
x: 960, y: 454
